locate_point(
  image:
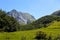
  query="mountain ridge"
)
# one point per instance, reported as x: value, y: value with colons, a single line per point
x: 56, y: 13
x: 22, y: 18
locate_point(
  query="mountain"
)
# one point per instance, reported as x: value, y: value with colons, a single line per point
x: 57, y: 13
x: 22, y: 18
x: 26, y: 18
x: 42, y: 22
x: 46, y: 20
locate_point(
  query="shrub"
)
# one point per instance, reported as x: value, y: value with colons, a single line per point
x: 40, y: 36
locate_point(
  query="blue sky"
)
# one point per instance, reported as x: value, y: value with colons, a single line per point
x: 37, y: 8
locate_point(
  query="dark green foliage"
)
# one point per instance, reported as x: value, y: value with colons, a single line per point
x: 44, y: 21
x: 47, y: 19
x: 40, y: 36
x: 7, y: 23
x: 27, y: 27
x: 43, y: 36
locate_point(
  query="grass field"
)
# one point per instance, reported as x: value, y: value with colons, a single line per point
x: 52, y: 30
x: 27, y: 35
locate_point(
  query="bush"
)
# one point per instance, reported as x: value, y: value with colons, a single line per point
x: 40, y: 36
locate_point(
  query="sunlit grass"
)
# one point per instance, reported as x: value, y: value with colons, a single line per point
x: 30, y: 35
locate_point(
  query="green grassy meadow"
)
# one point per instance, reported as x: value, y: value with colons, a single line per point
x: 52, y: 30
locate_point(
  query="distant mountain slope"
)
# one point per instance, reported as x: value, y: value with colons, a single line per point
x: 46, y: 20
x: 22, y: 18
x: 57, y: 13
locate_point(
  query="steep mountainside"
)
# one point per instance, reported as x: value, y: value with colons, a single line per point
x: 22, y: 18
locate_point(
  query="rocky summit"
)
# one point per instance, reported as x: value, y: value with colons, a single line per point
x: 22, y: 18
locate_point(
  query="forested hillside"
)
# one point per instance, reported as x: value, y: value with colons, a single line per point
x: 8, y: 23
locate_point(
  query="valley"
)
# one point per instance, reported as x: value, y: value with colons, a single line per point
x: 44, y: 28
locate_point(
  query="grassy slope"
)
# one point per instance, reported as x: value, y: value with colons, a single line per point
x: 29, y: 35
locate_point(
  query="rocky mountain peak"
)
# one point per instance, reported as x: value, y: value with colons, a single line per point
x: 22, y: 18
